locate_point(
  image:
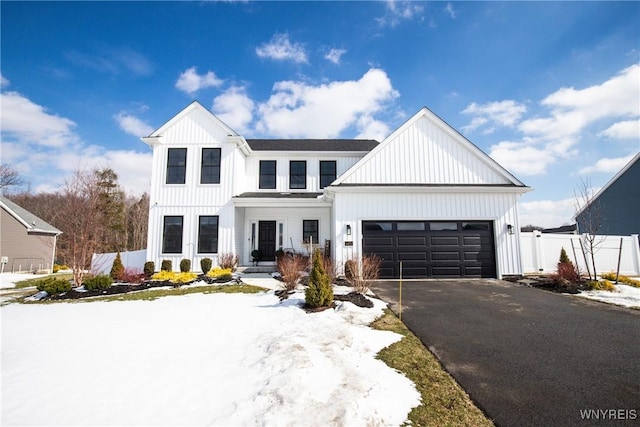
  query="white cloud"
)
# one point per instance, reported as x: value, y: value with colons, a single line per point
x: 398, y: 11
x: 132, y: 125
x: 547, y: 213
x: 113, y: 61
x: 550, y: 138
x: 504, y: 113
x: 607, y: 165
x: 190, y: 81
x: 451, y: 11
x: 627, y: 129
x: 294, y: 109
x: 27, y: 122
x: 280, y: 48
x: 372, y: 129
x: 334, y: 55
x: 3, y: 82
x: 235, y: 108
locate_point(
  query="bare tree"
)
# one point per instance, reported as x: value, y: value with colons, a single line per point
x: 589, y: 210
x: 83, y: 220
x: 137, y: 218
x: 9, y: 177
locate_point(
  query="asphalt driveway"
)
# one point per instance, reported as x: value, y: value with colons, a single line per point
x: 528, y: 357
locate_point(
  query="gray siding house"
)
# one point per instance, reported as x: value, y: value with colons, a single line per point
x: 616, y: 207
x: 27, y: 243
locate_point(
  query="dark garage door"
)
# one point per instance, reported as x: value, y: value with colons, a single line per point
x: 432, y: 248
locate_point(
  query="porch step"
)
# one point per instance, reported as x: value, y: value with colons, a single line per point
x: 256, y: 269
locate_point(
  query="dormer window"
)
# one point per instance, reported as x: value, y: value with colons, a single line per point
x: 298, y: 174
x: 176, y: 165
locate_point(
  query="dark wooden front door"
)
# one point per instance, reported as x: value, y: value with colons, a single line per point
x: 267, y: 240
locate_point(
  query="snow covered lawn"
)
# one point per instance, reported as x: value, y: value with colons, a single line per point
x: 625, y: 295
x: 215, y: 359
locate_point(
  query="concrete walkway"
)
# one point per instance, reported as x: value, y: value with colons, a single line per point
x: 528, y: 357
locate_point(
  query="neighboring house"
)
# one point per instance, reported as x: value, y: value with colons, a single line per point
x: 425, y: 196
x: 27, y: 243
x: 615, y: 209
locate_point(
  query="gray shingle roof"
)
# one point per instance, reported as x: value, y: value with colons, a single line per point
x: 35, y: 223
x: 364, y: 145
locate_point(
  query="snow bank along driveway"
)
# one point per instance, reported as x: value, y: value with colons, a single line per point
x: 217, y: 359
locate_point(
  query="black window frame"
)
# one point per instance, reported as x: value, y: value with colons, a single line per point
x: 298, y: 178
x: 210, y: 166
x: 172, y: 237
x: 176, y: 166
x: 327, y: 178
x: 208, y: 241
x: 267, y: 180
x: 310, y: 231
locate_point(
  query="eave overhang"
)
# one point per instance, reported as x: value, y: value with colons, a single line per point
x: 428, y: 188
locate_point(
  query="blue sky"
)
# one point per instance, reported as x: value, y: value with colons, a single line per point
x: 551, y: 90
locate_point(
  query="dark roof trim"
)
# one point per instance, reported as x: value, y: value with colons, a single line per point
x: 434, y: 185
x: 262, y: 195
x: 364, y: 145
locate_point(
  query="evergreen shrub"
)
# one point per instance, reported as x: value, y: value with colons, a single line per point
x: 53, y: 286
x: 205, y: 265
x: 117, y: 269
x: 149, y: 268
x: 319, y: 293
x: 185, y: 265
x: 100, y: 282
x: 166, y: 265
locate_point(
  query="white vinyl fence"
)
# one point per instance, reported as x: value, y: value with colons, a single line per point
x: 540, y: 253
x: 134, y: 260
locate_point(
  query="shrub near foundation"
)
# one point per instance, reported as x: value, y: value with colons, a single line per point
x: 319, y: 293
x: 220, y: 273
x: 100, y: 282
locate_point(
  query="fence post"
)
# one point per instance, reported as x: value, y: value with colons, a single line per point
x: 635, y: 250
x: 537, y: 250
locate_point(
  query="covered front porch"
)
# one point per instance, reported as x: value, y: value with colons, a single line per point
x: 268, y: 222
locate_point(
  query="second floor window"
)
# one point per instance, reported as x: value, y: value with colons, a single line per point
x: 298, y: 174
x: 176, y: 165
x: 267, y: 174
x: 210, y: 169
x: 327, y: 172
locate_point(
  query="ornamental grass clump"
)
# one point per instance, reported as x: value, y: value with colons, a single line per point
x: 360, y: 273
x: 228, y: 261
x: 600, y: 285
x: 622, y: 279
x: 290, y: 268
x: 319, y: 293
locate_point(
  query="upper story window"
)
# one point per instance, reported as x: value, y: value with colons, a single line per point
x: 172, y: 235
x: 210, y: 168
x: 327, y: 172
x: 267, y: 174
x: 176, y: 165
x: 298, y: 174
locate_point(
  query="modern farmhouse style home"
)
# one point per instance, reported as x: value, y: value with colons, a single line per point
x: 424, y: 196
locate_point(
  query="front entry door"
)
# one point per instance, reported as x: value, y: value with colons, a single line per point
x: 267, y: 240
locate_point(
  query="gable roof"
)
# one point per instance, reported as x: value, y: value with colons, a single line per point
x: 427, y: 150
x: 196, y: 107
x: 363, y: 145
x: 617, y: 176
x: 31, y: 222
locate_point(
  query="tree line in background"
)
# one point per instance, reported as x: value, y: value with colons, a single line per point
x: 91, y: 210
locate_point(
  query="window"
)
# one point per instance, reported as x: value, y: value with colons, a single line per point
x: 327, y: 173
x: 310, y: 230
x: 443, y: 226
x: 410, y: 226
x: 298, y: 174
x: 172, y: 235
x: 377, y: 226
x: 176, y: 165
x: 210, y: 169
x: 267, y: 174
x: 208, y: 235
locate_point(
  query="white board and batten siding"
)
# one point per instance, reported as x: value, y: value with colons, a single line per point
x: 353, y: 208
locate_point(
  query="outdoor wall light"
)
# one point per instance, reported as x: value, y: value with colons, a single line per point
x: 509, y: 228
x: 348, y: 230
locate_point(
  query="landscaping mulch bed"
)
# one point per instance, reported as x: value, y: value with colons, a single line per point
x: 123, y: 288
x: 546, y: 283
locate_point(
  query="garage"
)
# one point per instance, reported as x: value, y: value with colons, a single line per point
x: 439, y: 249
